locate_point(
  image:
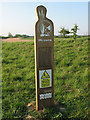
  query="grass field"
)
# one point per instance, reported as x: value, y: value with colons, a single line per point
x: 70, y: 79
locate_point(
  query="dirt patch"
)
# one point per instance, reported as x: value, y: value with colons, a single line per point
x: 15, y: 40
x: 32, y: 113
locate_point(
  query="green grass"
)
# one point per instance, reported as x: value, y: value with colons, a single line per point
x: 70, y: 79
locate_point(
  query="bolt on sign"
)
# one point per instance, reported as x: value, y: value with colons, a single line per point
x: 44, y: 59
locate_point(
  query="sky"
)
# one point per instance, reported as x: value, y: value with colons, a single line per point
x: 20, y: 17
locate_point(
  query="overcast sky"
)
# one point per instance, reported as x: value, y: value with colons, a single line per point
x: 20, y: 17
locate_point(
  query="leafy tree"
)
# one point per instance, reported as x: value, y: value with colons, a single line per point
x: 23, y: 36
x: 74, y: 31
x: 17, y: 35
x: 64, y: 31
x: 10, y: 35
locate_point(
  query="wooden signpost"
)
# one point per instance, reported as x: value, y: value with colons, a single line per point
x: 44, y: 60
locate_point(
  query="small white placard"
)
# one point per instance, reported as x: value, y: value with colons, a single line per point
x: 45, y: 96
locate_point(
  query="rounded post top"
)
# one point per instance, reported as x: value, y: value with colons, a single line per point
x: 41, y: 12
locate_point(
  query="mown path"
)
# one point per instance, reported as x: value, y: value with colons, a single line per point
x: 15, y: 40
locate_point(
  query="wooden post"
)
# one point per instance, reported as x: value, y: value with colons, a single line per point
x: 44, y: 60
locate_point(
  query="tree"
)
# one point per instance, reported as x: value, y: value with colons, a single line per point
x: 17, y: 36
x: 10, y: 35
x: 22, y: 36
x: 64, y: 31
x: 74, y: 31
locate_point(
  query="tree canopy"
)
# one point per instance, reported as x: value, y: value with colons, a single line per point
x: 64, y: 31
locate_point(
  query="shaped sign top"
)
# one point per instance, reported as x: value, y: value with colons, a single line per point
x: 44, y: 29
x: 41, y: 12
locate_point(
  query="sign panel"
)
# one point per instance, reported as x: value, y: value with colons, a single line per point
x: 44, y: 60
x: 45, y: 96
x: 45, y: 78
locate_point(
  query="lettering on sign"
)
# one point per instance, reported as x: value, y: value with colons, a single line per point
x: 45, y: 78
x: 45, y: 96
x: 46, y: 40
